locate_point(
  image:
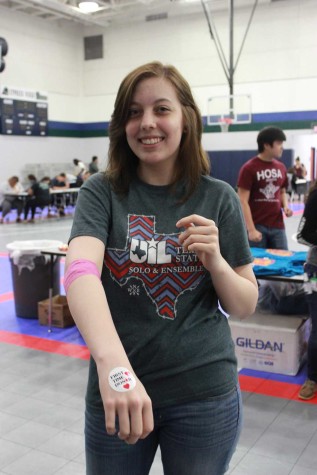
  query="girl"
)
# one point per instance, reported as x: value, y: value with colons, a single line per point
x: 156, y: 247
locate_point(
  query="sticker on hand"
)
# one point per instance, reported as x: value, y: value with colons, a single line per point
x: 121, y: 379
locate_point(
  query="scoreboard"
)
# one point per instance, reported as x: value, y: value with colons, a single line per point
x: 23, y: 112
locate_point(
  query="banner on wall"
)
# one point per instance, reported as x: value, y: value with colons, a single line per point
x: 23, y: 112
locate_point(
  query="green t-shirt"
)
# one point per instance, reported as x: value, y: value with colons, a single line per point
x: 161, y: 298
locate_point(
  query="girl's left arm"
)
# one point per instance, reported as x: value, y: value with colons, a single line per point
x: 237, y: 287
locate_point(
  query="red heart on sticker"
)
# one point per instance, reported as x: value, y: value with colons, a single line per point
x: 126, y: 386
x: 127, y: 373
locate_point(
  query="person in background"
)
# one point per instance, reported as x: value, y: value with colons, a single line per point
x: 39, y: 196
x: 262, y: 185
x: 71, y: 180
x: 156, y: 244
x: 79, y: 170
x: 299, y: 169
x: 299, y: 183
x: 93, y: 165
x: 59, y: 182
x: 9, y: 199
x: 86, y: 175
x: 31, y: 179
x: 309, y: 233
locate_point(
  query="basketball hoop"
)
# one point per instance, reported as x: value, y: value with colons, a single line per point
x: 224, y: 123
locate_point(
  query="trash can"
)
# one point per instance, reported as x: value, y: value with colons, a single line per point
x: 31, y: 274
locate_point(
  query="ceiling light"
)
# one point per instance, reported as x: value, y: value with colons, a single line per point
x: 88, y: 7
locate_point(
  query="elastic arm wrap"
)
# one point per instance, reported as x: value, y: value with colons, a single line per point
x: 78, y: 268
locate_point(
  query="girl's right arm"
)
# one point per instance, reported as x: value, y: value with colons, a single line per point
x: 89, y: 307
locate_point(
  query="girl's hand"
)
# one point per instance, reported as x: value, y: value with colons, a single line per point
x: 201, y: 236
x: 132, y: 407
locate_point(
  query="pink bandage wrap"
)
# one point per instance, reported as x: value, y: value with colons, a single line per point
x: 78, y: 268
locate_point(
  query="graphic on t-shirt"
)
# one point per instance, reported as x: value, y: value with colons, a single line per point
x: 269, y: 191
x: 158, y: 261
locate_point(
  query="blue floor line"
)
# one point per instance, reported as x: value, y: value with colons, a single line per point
x: 31, y: 326
x: 283, y: 378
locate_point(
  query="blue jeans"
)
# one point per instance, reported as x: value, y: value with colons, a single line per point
x: 197, y: 438
x: 272, y: 238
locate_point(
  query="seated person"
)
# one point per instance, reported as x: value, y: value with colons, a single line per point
x: 284, y: 298
x: 31, y: 179
x: 93, y: 165
x: 59, y: 182
x: 38, y: 196
x: 9, y: 199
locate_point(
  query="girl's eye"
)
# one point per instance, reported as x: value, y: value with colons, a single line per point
x: 163, y: 109
x: 133, y: 112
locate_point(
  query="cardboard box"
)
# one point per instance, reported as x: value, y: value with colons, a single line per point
x: 61, y: 316
x: 273, y: 343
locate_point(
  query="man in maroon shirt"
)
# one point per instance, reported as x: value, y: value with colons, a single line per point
x: 262, y: 185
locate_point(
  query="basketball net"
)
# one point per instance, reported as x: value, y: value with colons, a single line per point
x: 224, y: 123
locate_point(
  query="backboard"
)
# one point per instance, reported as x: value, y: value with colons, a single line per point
x: 231, y: 109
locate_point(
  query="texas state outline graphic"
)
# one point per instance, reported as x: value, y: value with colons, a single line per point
x: 157, y: 260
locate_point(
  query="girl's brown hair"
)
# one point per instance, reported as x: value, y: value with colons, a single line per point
x: 192, y: 160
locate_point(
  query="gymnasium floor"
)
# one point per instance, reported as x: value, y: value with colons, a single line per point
x: 43, y: 379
